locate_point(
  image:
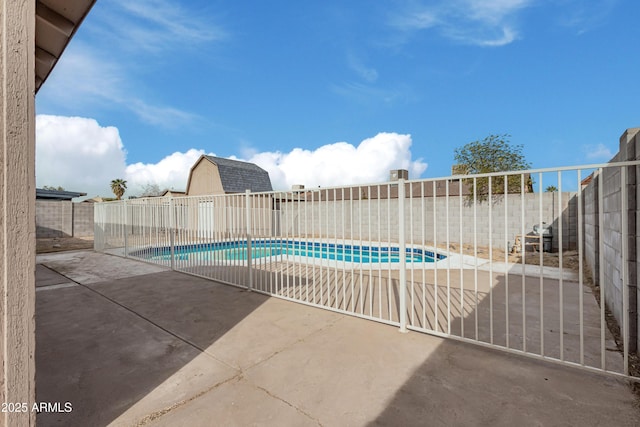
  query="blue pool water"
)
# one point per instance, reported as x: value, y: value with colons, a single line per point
x: 237, y: 251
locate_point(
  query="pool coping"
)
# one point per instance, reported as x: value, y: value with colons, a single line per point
x: 449, y: 260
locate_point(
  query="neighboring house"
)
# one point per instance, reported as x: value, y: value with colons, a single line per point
x: 42, y: 194
x: 215, y: 175
x: 585, y: 182
x: 96, y: 199
x: 173, y: 193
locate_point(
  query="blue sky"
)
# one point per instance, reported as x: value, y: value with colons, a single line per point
x: 334, y: 92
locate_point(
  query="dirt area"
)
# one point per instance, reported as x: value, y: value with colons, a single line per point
x: 58, y: 244
x: 549, y: 259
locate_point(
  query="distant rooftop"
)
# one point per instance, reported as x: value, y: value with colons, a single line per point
x: 173, y: 193
x: 238, y: 176
x: 41, y: 194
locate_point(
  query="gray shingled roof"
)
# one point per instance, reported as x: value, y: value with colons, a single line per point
x: 237, y: 176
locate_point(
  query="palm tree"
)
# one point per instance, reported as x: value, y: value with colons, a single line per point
x: 118, y: 186
x: 551, y: 189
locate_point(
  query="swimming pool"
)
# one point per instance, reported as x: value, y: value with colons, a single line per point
x: 280, y: 248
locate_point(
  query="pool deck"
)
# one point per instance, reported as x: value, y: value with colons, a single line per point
x: 129, y: 343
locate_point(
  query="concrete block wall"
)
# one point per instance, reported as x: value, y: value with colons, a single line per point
x: 611, y: 238
x: 425, y: 218
x: 63, y: 219
x: 54, y: 218
x: 591, y: 227
x: 82, y: 219
x: 611, y: 235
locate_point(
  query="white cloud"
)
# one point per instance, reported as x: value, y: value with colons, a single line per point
x: 475, y: 22
x: 598, y: 152
x: 492, y: 11
x: 341, y: 163
x: 81, y: 155
x: 157, y: 25
x: 108, y: 67
x: 170, y: 172
x: 158, y: 115
x: 585, y: 16
x: 77, y: 154
x: 367, y: 73
x: 82, y: 78
x: 368, y: 94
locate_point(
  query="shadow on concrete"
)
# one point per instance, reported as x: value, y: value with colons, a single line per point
x: 459, y: 382
x: 131, y: 350
x: 105, y: 346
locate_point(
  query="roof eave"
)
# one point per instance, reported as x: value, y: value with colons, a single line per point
x: 47, y: 16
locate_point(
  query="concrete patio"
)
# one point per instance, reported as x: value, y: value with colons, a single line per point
x: 128, y: 343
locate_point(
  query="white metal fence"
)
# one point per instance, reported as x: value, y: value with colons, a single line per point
x: 454, y: 257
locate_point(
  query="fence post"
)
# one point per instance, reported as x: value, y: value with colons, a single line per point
x: 126, y: 227
x: 172, y: 232
x: 402, y: 252
x: 249, y: 261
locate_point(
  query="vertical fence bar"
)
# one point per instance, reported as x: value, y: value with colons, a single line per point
x: 97, y: 224
x: 313, y: 234
x: 448, y: 237
x: 172, y: 234
x: 335, y: 241
x: 370, y: 244
x: 321, y: 243
x: 308, y: 252
x: 491, y: 260
x: 475, y: 254
x: 580, y: 267
x: 541, y: 262
x: 602, y: 284
x: 411, y: 246
x: 343, y: 234
x: 126, y: 228
x: 523, y: 252
x: 352, y: 263
x: 379, y: 251
x: 423, y: 215
x: 264, y: 231
x: 361, y: 217
x: 560, y: 251
x: 276, y: 230
x: 324, y: 247
x: 402, y: 282
x: 506, y: 259
x: 389, y: 240
x: 624, y: 206
x: 143, y: 215
x: 300, y: 206
x: 249, y: 257
x: 434, y: 189
x: 461, y: 242
x: 178, y: 224
x: 287, y: 242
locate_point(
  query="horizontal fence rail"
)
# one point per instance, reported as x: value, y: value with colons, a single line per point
x: 539, y: 262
